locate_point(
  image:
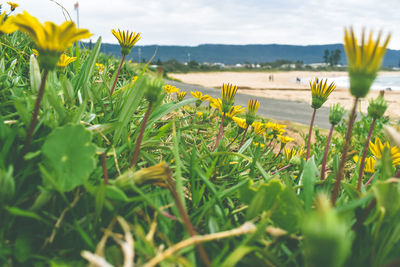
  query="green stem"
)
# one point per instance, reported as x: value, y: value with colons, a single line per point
x: 346, y: 146
x: 362, y: 163
x: 34, y: 119
x: 116, y: 77
x: 220, y: 132
x: 244, y: 136
x: 234, y: 139
x: 140, y: 137
x: 310, y: 133
x: 185, y: 217
x: 104, y: 166
x: 328, y: 142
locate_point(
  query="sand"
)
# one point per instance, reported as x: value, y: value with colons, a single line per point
x: 284, y: 86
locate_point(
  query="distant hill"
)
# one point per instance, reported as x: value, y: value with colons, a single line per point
x: 233, y: 54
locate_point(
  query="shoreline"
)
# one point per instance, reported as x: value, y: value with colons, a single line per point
x: 284, y: 86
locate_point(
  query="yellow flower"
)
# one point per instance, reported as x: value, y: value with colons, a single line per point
x: 290, y: 153
x: 258, y: 127
x: 258, y: 144
x: 364, y: 60
x: 100, y: 67
x: 156, y: 175
x: 200, y: 114
x: 6, y: 23
x: 170, y: 89
x: 285, y: 139
x: 252, y: 108
x: 135, y: 79
x: 50, y: 39
x: 369, y: 164
x: 320, y: 92
x: 377, y: 149
x: 13, y: 6
x: 234, y: 111
x: 35, y: 52
x: 228, y: 92
x: 65, y: 60
x: 126, y: 40
x: 240, y: 122
x: 199, y: 96
x: 215, y: 103
x: 276, y: 129
x: 180, y: 95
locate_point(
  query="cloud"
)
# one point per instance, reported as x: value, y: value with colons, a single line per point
x: 194, y: 22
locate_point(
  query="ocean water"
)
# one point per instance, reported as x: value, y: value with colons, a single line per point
x: 381, y: 83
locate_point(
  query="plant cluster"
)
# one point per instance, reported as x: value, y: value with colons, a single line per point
x: 101, y: 162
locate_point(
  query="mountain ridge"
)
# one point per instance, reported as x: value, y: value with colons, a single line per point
x: 234, y: 54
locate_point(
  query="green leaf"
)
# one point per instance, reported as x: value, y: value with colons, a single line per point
x: 387, y: 195
x: 262, y: 197
x: 308, y: 178
x: 34, y: 74
x: 24, y: 213
x: 289, y: 214
x: 114, y: 193
x: 69, y: 156
x: 22, y: 248
x: 82, y: 79
x: 131, y: 102
x: 237, y: 255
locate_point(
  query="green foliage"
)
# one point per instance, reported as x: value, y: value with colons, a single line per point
x: 74, y: 192
x: 68, y: 157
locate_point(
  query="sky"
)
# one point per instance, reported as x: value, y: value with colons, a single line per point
x: 194, y: 22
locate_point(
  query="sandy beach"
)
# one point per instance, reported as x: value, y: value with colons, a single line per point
x: 284, y: 86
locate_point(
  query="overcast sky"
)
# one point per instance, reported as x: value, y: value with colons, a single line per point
x: 193, y: 22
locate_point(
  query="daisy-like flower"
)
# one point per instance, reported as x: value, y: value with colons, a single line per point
x: 285, y: 139
x: 170, y: 89
x: 100, y: 67
x: 320, y: 91
x: 134, y: 79
x: 240, y: 122
x: 180, y: 95
x: 378, y: 147
x: 369, y: 164
x: 200, y: 114
x: 252, y: 108
x: 51, y: 40
x: 258, y: 144
x: 258, y: 127
x: 276, y: 129
x: 13, y: 6
x: 234, y: 111
x: 228, y: 92
x: 65, y: 60
x: 126, y: 39
x: 216, y: 103
x: 200, y: 97
x: 290, y: 153
x: 364, y: 60
x: 6, y: 24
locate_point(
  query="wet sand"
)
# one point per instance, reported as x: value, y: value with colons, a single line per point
x: 284, y: 86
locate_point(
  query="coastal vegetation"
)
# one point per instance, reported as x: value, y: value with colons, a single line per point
x: 103, y: 164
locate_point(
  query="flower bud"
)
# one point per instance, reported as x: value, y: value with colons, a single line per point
x: 153, y: 89
x: 156, y: 174
x: 326, y: 236
x: 336, y: 113
x: 377, y: 107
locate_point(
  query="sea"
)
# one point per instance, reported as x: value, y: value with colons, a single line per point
x: 382, y: 82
